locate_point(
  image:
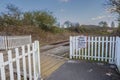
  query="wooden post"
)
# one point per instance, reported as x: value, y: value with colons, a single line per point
x: 106, y: 53
x: 2, y: 67
x: 103, y: 48
x: 118, y: 52
x: 24, y: 63
x: 29, y: 62
x: 17, y: 64
x: 71, y: 47
x: 110, y: 50
x: 37, y: 57
x: 10, y: 65
x: 34, y: 60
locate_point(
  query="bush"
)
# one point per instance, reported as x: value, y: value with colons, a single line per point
x: 55, y: 29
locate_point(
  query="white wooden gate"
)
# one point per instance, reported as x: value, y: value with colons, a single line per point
x: 21, y: 63
x: 97, y: 48
x: 9, y: 42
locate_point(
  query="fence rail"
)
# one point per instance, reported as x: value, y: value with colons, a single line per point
x: 26, y: 60
x: 8, y: 42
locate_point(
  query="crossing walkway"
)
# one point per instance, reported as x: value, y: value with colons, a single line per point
x: 50, y: 62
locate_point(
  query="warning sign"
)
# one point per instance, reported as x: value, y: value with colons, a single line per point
x: 82, y: 42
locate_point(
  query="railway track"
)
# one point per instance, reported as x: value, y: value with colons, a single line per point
x: 54, y: 45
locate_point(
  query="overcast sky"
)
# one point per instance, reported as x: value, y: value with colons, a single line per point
x: 82, y: 11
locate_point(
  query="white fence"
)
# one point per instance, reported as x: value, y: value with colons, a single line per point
x: 106, y: 49
x: 23, y: 61
x: 97, y: 48
x: 117, y: 58
x: 8, y: 42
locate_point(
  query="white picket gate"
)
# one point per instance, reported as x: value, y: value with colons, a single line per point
x: 106, y: 49
x: 97, y: 48
x: 23, y: 61
x: 9, y: 42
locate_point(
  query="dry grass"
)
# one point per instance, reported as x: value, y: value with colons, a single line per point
x: 37, y: 34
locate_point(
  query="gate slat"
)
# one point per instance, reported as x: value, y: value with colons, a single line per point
x: 99, y: 48
x: 38, y: 61
x: 92, y: 49
x: 18, y: 64
x: 34, y: 61
x: 102, y: 48
x: 74, y: 47
x: 95, y: 47
x: 71, y: 45
x: 110, y: 50
x: 37, y: 57
x: 88, y: 48
x: 82, y: 54
x: 10, y: 65
x: 24, y: 63
x: 77, y: 49
x: 29, y: 62
x: 2, y: 67
x: 85, y: 53
x: 113, y: 49
x: 79, y: 52
x: 106, y: 58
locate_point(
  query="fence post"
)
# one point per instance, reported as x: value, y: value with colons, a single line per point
x: 70, y: 47
x: 37, y: 57
x: 2, y: 68
x: 34, y: 60
x: 117, y: 54
x: 10, y: 65
x: 116, y: 50
x: 29, y: 62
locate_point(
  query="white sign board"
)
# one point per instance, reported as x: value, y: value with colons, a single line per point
x: 82, y: 42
